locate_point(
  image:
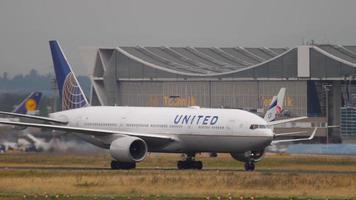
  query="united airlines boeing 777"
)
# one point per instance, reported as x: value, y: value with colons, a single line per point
x: 129, y: 133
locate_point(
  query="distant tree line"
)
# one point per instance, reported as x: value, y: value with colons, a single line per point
x: 34, y: 81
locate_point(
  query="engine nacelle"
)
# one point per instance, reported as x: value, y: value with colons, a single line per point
x: 128, y: 149
x: 252, y: 155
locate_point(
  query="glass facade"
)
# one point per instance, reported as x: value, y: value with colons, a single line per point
x: 348, y: 121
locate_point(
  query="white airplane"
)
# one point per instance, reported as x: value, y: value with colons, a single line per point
x: 129, y: 133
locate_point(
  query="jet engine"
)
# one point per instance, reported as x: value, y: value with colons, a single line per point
x: 249, y: 156
x: 128, y: 149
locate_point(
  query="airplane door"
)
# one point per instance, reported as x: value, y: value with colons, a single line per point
x: 234, y: 125
x: 122, y: 120
x: 81, y: 121
x: 231, y: 125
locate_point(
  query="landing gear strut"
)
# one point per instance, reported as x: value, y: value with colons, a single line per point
x: 122, y: 165
x: 189, y: 163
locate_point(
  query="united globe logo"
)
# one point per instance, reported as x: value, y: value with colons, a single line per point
x: 72, y: 96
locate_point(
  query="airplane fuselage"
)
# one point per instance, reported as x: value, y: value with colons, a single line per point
x: 195, y: 129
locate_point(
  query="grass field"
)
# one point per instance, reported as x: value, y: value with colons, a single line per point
x: 149, y: 182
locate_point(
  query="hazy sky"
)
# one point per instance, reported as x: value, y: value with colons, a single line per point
x: 26, y: 26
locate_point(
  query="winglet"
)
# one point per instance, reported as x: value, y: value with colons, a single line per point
x: 313, y: 134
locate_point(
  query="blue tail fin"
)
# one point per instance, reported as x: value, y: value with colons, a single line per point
x: 70, y: 92
x: 29, y: 104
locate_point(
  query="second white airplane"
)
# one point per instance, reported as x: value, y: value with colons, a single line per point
x: 129, y: 133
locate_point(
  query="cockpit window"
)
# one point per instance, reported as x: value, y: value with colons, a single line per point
x: 260, y: 126
x: 253, y: 126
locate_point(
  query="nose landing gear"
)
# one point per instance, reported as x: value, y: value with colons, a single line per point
x: 250, y: 165
x: 189, y: 163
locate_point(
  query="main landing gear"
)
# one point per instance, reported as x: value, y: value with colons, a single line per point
x: 122, y: 165
x: 190, y: 163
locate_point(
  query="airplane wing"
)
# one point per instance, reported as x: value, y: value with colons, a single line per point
x: 289, y: 133
x: 295, y: 140
x: 283, y: 121
x: 89, y: 131
x: 45, y: 119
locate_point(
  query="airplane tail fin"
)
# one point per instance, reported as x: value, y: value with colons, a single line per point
x: 29, y: 104
x: 276, y: 106
x: 70, y: 92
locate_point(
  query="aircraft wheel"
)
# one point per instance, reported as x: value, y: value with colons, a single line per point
x: 122, y: 165
x: 114, y: 164
x: 181, y: 165
x: 249, y: 166
x: 188, y: 164
x: 198, y: 165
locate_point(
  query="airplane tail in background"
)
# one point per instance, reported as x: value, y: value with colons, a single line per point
x: 29, y: 104
x: 276, y: 106
x: 70, y: 92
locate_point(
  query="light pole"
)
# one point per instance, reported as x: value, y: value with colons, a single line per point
x: 326, y: 88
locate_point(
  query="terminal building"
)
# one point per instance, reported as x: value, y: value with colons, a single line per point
x: 318, y: 79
